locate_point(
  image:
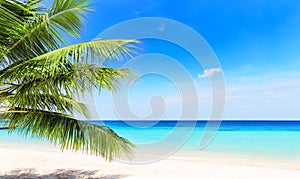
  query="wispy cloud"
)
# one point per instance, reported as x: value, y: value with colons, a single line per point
x: 209, y: 72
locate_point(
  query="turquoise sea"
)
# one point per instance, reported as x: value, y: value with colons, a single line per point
x: 251, y: 138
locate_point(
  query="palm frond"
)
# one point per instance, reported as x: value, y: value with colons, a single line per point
x: 68, y: 15
x: 40, y: 75
x: 88, y: 52
x: 24, y: 10
x: 71, y: 134
x: 55, y: 103
x: 46, y: 31
x: 11, y: 25
x: 74, y: 80
x: 55, y: 93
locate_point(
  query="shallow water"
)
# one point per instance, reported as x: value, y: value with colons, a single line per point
x: 253, y: 138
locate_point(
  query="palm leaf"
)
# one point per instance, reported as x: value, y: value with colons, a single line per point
x: 71, y: 134
x: 40, y: 74
x: 95, y: 51
x: 63, y: 104
x: 46, y: 31
x: 77, y: 79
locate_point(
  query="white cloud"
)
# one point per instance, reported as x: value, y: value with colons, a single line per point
x: 209, y: 72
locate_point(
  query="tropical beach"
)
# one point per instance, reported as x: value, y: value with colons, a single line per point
x: 26, y: 162
x: 276, y: 159
x: 149, y: 89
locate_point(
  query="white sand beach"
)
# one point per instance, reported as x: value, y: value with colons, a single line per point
x: 42, y: 162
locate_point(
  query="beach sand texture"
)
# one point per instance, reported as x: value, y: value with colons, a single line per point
x: 17, y: 162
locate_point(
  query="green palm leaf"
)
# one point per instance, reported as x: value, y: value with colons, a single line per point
x: 40, y: 74
x: 99, y: 50
x: 44, y: 32
x: 70, y: 133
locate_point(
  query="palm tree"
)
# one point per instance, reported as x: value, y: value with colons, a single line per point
x: 41, y: 73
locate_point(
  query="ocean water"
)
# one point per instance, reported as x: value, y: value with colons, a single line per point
x: 253, y: 138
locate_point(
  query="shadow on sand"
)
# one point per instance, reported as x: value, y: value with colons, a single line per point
x: 29, y: 173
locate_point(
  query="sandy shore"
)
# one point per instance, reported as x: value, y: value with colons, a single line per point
x: 43, y: 162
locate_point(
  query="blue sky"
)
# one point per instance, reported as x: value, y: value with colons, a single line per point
x: 257, y: 43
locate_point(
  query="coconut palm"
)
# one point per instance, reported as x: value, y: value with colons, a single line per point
x: 41, y: 73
